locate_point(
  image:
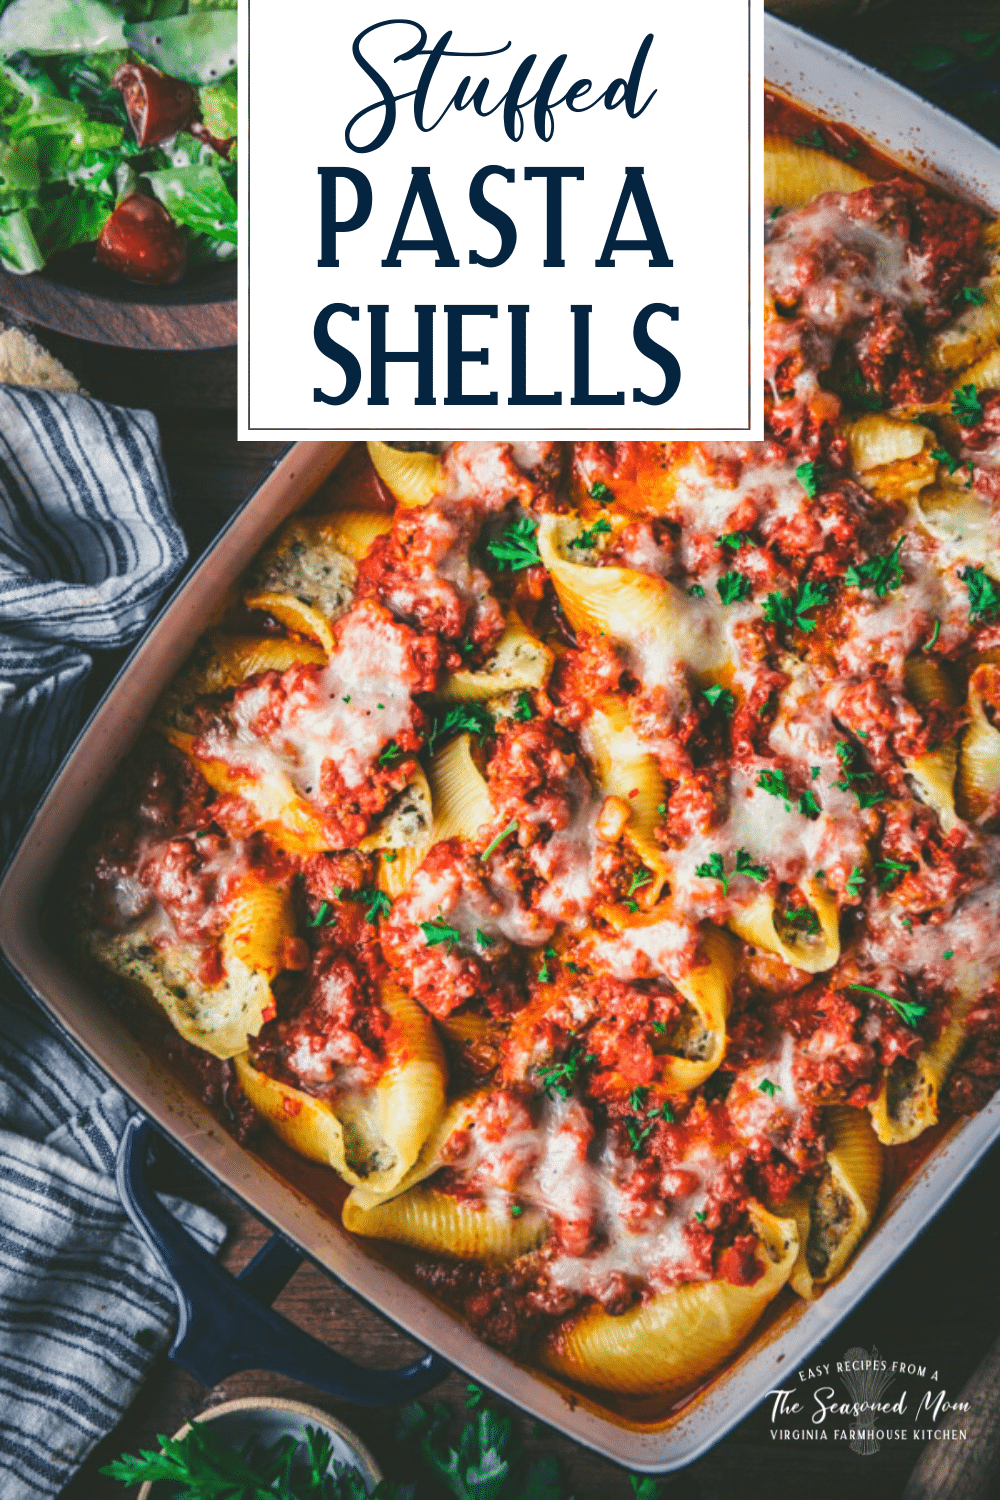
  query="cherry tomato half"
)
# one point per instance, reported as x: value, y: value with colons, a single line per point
x: 142, y: 242
x: 157, y: 105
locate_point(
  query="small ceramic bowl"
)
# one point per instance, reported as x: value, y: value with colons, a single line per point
x: 268, y: 1419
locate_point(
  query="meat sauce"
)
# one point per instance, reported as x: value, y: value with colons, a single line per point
x: 788, y: 738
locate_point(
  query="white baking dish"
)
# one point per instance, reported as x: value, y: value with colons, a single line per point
x: 952, y: 155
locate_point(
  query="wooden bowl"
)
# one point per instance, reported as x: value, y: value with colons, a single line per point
x: 270, y: 1418
x: 74, y: 295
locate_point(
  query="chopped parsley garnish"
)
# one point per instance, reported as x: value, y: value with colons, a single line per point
x: 377, y: 905
x: 944, y: 457
x: 853, y: 777
x: 734, y: 540
x: 524, y: 711
x: 815, y: 140
x: 966, y: 406
x: 855, y: 882
x: 791, y: 610
x: 557, y: 1079
x: 972, y: 474
x: 390, y: 856
x: 802, y: 918
x: 472, y: 718
x: 439, y: 932
x: 660, y: 1027
x: 746, y: 866
x: 892, y: 869
x: 516, y: 1210
x: 588, y: 537
x: 474, y: 1393
x: 637, y: 1131
x: 776, y: 784
x: 600, y: 492
x: 700, y: 1215
x: 346, y: 698
x: 733, y: 587
x: 696, y: 591
x: 973, y: 294
x: 808, y: 805
x: 984, y: 595
x: 909, y: 1011
x: 511, y: 828
x: 483, y: 938
x: 949, y: 953
x: 518, y: 547
x: 879, y: 573
x: 639, y: 879
x: 320, y: 917
x: 544, y: 975
x: 721, y: 698
x: 770, y: 1089
x: 713, y: 869
x: 929, y: 645
x: 864, y: 395
x: 810, y: 476
x: 814, y: 770
x: 390, y: 753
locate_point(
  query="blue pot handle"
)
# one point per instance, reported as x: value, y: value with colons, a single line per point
x: 226, y: 1323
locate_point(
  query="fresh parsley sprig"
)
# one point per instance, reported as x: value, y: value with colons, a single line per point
x: 471, y: 718
x: 984, y: 593
x: 203, y: 1466
x: 966, y: 407
x: 588, y: 537
x: 733, y: 586
x: 713, y: 869
x: 722, y: 699
x: 854, y: 776
x: 810, y: 476
x: 882, y: 574
x: 439, y: 932
x: 517, y: 548
x: 557, y: 1080
x: 909, y: 1011
x: 776, y: 784
x: 792, y: 610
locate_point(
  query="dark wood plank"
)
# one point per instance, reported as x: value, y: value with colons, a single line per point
x: 109, y: 311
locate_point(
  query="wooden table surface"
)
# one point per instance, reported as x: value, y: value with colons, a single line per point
x: 939, y: 1307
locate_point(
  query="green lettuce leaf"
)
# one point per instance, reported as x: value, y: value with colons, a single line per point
x: 75, y: 219
x: 42, y: 27
x: 199, y: 198
x: 218, y: 107
x: 19, y: 250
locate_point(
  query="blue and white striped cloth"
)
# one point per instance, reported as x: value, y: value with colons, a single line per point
x: 88, y: 544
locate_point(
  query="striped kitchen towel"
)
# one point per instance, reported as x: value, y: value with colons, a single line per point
x: 88, y: 544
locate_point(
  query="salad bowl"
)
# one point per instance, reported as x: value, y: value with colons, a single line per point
x: 117, y: 169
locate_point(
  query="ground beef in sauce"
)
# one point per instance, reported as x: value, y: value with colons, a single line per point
x: 334, y: 1032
